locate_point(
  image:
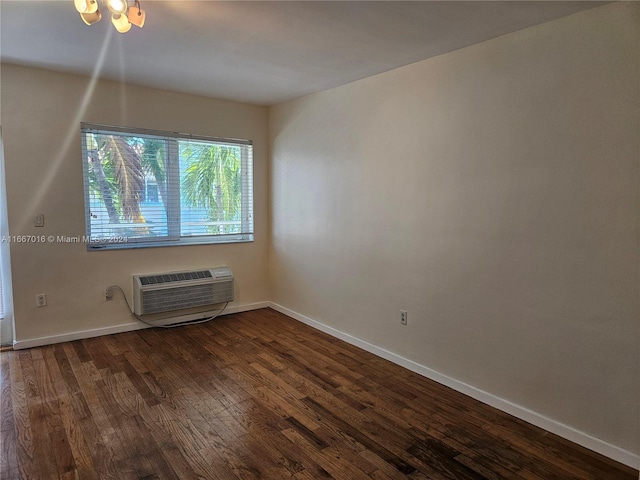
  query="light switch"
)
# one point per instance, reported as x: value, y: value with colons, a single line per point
x: 38, y: 220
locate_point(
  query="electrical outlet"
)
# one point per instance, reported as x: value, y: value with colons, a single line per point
x: 403, y: 317
x: 108, y: 294
x: 41, y: 300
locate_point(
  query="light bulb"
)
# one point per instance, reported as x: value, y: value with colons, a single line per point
x: 121, y: 22
x: 86, y: 6
x: 117, y: 7
x: 81, y: 5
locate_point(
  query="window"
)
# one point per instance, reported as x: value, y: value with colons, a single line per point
x: 147, y: 188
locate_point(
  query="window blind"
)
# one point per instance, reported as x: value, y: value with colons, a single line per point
x: 146, y: 188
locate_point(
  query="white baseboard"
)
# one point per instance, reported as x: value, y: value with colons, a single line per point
x: 127, y: 327
x: 615, y: 453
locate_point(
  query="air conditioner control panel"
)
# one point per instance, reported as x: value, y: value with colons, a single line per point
x: 221, y: 272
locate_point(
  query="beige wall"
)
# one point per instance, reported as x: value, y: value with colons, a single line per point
x: 41, y: 115
x: 493, y: 194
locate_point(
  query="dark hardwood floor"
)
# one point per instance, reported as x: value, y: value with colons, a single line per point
x: 257, y: 395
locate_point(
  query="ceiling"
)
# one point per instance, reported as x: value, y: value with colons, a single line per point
x: 261, y: 52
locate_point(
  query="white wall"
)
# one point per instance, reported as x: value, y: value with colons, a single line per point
x: 492, y: 193
x: 41, y: 115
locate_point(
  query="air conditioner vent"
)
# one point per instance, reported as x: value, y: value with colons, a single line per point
x: 173, y: 291
x: 174, y: 277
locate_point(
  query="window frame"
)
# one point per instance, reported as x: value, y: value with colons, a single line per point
x: 173, y: 209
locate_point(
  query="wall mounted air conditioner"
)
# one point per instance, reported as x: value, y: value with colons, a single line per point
x: 172, y: 291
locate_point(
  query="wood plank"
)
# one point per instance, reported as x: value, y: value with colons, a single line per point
x: 8, y: 436
x: 257, y: 395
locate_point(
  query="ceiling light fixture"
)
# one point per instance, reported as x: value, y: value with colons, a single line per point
x: 122, y: 16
